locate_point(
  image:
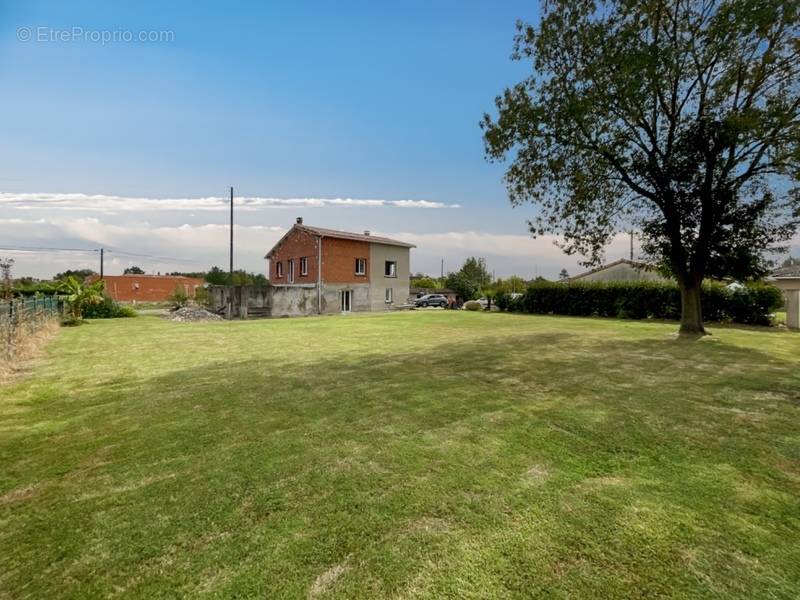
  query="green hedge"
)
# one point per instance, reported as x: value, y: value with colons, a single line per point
x: 752, y: 304
x: 108, y: 309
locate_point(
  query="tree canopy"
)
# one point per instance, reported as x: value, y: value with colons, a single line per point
x: 679, y: 117
x: 425, y: 281
x: 470, y: 279
x: 79, y: 274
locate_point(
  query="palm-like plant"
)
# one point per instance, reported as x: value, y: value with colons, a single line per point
x: 79, y: 295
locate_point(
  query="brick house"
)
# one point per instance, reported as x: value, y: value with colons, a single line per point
x: 147, y: 288
x: 347, y: 271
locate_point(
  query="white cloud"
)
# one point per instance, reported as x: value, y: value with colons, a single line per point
x: 155, y: 248
x: 121, y: 204
x: 188, y: 247
x: 198, y: 246
x: 505, y: 254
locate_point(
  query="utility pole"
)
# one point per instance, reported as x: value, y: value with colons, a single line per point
x: 102, y: 252
x: 442, y: 272
x: 631, y: 244
x: 230, y: 271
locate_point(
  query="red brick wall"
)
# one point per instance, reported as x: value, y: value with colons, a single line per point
x: 339, y: 260
x: 296, y: 245
x: 147, y: 288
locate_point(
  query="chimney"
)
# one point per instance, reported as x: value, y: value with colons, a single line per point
x: 366, y: 232
x: 299, y: 220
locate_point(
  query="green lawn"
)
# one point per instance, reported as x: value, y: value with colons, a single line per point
x: 434, y: 454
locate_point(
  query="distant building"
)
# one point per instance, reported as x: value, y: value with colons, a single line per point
x: 620, y: 270
x: 147, y: 288
x: 340, y: 271
x: 788, y: 280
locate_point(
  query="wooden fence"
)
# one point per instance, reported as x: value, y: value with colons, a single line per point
x: 20, y: 318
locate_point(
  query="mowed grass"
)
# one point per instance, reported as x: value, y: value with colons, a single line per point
x: 433, y: 454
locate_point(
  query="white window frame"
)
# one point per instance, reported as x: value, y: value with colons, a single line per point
x: 392, y: 271
x: 388, y: 296
x: 279, y: 269
x: 346, y: 300
x: 361, y: 266
x: 291, y: 270
x: 303, y: 266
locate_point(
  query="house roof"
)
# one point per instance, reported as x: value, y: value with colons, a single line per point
x: 636, y: 264
x: 342, y: 235
x: 145, y: 277
x: 792, y: 272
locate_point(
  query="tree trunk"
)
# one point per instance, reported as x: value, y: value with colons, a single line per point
x: 691, y: 313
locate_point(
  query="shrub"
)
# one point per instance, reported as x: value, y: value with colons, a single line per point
x: 503, y: 301
x: 201, y: 295
x: 108, y: 309
x: 472, y: 305
x: 179, y: 297
x: 752, y: 304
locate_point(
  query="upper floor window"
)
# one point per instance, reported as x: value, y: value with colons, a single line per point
x: 390, y: 269
x: 291, y: 270
x: 361, y: 266
x: 303, y: 266
x: 278, y: 269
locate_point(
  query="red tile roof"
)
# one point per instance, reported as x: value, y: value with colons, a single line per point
x: 344, y: 235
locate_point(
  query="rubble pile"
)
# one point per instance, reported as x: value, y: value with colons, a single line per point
x: 192, y: 313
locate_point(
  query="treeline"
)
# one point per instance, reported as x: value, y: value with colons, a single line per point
x: 473, y: 280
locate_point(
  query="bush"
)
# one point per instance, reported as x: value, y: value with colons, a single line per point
x: 752, y: 304
x: 503, y: 301
x: 201, y: 295
x: 108, y: 309
x: 472, y: 305
x: 179, y: 298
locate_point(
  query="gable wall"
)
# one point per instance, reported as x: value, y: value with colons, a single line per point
x: 297, y: 244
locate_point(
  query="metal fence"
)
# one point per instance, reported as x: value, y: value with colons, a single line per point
x: 20, y: 318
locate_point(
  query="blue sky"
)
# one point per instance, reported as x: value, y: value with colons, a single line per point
x: 289, y: 100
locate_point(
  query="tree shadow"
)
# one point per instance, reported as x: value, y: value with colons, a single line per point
x: 283, y: 457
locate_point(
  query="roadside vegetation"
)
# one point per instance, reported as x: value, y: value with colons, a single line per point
x: 436, y: 454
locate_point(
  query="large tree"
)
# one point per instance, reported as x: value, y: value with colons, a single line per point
x: 679, y: 117
x: 470, y: 280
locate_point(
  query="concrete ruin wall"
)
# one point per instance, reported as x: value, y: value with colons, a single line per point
x: 254, y: 301
x: 294, y: 300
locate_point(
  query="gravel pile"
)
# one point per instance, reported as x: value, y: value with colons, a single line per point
x: 192, y: 313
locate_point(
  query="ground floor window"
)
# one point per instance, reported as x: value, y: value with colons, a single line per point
x: 278, y: 269
x: 304, y: 266
x: 346, y: 297
x: 291, y: 271
x: 388, y: 296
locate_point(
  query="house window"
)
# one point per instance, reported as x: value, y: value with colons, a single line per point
x: 278, y: 269
x: 304, y: 266
x: 291, y: 270
x: 390, y: 269
x: 361, y: 266
x: 388, y: 296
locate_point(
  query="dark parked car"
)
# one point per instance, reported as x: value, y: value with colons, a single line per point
x: 431, y: 300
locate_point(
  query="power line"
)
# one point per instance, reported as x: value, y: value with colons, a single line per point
x: 92, y: 250
x: 45, y: 249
